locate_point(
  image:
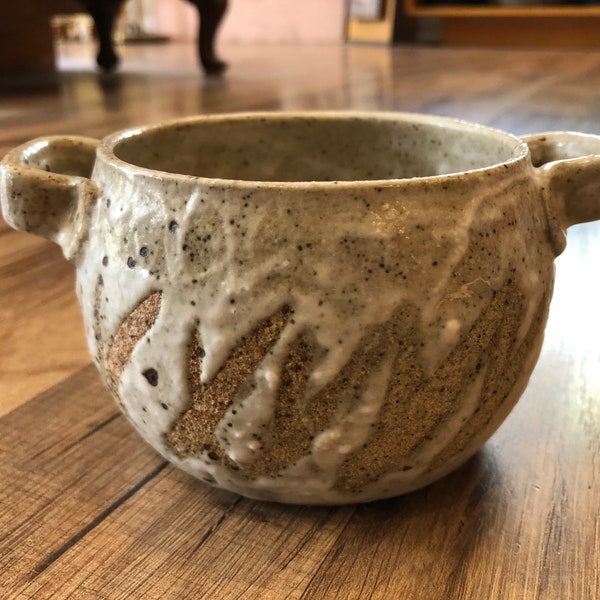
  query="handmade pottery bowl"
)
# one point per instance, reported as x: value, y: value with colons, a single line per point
x: 317, y: 307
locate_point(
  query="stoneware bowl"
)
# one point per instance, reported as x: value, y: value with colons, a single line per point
x: 310, y: 307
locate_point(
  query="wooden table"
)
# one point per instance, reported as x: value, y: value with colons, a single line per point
x: 87, y: 510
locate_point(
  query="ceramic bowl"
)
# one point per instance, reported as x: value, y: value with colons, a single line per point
x: 310, y: 307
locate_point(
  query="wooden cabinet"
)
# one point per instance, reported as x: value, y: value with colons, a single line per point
x: 564, y: 26
x: 26, y: 43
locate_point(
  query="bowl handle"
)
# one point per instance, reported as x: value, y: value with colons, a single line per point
x: 568, y: 170
x: 45, y: 189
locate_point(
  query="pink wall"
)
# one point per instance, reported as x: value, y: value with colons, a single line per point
x: 260, y: 21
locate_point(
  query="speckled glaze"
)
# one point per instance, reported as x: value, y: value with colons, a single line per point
x: 311, y: 308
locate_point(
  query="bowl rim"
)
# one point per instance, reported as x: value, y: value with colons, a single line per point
x: 106, y: 149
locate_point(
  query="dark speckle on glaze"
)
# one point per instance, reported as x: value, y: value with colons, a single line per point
x: 151, y: 376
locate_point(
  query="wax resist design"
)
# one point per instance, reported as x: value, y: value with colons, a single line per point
x: 350, y: 427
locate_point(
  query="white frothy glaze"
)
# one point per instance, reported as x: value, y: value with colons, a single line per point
x: 364, y: 253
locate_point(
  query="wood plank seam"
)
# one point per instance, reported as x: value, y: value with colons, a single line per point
x: 211, y: 530
x: 92, y: 431
x: 58, y: 553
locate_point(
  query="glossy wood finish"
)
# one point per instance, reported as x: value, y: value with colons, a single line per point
x: 510, y: 24
x: 87, y: 510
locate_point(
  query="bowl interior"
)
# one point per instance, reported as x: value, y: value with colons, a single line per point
x: 315, y: 148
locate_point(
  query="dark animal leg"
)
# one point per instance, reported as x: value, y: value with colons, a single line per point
x: 211, y: 14
x: 104, y: 13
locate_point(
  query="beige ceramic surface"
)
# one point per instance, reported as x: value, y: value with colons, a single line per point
x: 312, y: 308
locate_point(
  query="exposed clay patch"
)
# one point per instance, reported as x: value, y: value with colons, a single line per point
x: 193, y: 433
x: 417, y: 406
x: 404, y: 417
x: 133, y: 328
x: 290, y: 432
x: 504, y: 367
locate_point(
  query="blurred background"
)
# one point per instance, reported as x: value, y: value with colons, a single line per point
x: 33, y: 33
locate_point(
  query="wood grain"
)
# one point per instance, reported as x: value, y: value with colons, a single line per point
x: 87, y: 510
